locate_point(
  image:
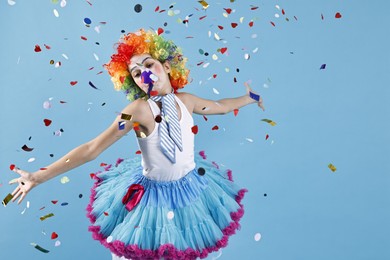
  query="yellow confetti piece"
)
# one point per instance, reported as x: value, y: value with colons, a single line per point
x: 67, y: 160
x: 215, y: 57
x: 225, y: 15
x: 241, y: 19
x: 269, y: 121
x: 7, y: 199
x: 46, y: 216
x: 64, y: 180
x: 332, y: 167
x: 204, y: 4
x: 227, y: 69
x: 126, y: 116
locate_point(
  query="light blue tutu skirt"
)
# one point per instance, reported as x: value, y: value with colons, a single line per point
x: 182, y: 219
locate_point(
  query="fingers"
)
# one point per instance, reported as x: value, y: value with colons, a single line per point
x: 21, y: 198
x: 20, y: 192
x: 13, y: 181
x: 15, y: 191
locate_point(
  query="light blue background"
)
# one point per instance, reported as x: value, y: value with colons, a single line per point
x: 338, y: 115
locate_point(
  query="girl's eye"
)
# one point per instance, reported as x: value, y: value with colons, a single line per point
x: 136, y: 75
x: 149, y: 65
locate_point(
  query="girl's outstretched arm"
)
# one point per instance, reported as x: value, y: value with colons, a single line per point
x: 210, y: 107
x: 76, y: 157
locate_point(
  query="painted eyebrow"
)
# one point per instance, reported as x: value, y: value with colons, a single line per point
x: 141, y: 63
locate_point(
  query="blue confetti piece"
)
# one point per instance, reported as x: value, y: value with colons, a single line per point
x: 64, y: 203
x: 254, y: 96
x: 322, y: 66
x: 121, y: 125
x: 87, y: 21
x: 92, y: 85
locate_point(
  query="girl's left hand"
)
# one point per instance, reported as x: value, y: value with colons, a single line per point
x: 260, y: 102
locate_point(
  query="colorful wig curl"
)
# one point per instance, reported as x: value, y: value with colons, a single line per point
x: 142, y: 42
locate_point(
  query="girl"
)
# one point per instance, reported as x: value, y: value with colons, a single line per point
x: 170, y: 203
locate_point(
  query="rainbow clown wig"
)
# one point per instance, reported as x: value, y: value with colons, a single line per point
x: 142, y: 42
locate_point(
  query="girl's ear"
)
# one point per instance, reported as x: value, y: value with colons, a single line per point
x: 167, y: 66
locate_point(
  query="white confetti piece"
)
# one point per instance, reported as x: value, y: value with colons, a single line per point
x: 58, y: 64
x: 96, y: 57
x: 249, y: 140
x: 241, y: 19
x: 64, y: 180
x: 216, y: 36
x: 277, y: 7
x: 109, y: 239
x: 257, y: 236
x: 227, y: 69
x: 58, y: 133
x: 97, y: 29
x: 206, y: 65
x: 254, y: 36
x: 225, y: 15
x: 170, y: 215
x: 255, y: 50
x: 63, y: 3
x: 10, y: 2
x: 265, y: 85
x: 56, y: 14
x: 215, y: 57
x: 209, y: 34
x: 31, y: 159
x: 218, y: 256
x: 215, y: 91
x: 65, y: 56
x: 46, y: 105
x: 247, y: 56
x: 277, y: 15
x: 28, y: 204
x: 57, y: 243
x: 23, y: 211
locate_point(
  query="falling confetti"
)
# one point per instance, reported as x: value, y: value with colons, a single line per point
x: 332, y: 167
x: 322, y: 66
x: 269, y: 121
x: 138, y: 8
x: 46, y: 216
x: 26, y: 148
x: 257, y: 237
x: 64, y: 180
x: 40, y: 248
x: 7, y: 199
x: 170, y: 215
x: 337, y: 15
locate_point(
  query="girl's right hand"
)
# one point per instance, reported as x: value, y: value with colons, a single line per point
x: 26, y: 182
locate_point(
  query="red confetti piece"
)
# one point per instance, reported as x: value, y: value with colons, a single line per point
x: 205, y: 118
x: 154, y: 93
x: 266, y: 137
x: 234, y: 25
x: 189, y: 37
x: 283, y: 12
x: 200, y: 63
x: 43, y: 169
x: 91, y: 68
x: 223, y: 50
x: 103, y: 164
x: 337, y: 15
x: 42, y: 208
x: 194, y: 129
x: 26, y: 148
x: 138, y: 152
x: 203, y: 155
x: 89, y: 3
x: 62, y: 102
x: 47, y: 47
x: 157, y: 8
x: 37, y: 48
x: 72, y: 83
x: 162, y: 11
x: 220, y: 27
x: 136, y: 126
x: 322, y: 17
x: 201, y: 18
x: 254, y: 7
x: 92, y: 175
x: 54, y: 201
x: 272, y: 23
x: 250, y: 23
x: 235, y: 111
x: 54, y: 235
x: 105, y: 213
x: 228, y: 10
x: 160, y: 31
x: 12, y: 167
x: 83, y: 38
x: 215, y: 75
x: 47, y: 122
x: 215, y: 127
x: 100, y: 72
x: 235, y: 80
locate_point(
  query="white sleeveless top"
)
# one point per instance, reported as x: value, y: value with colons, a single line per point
x: 156, y: 165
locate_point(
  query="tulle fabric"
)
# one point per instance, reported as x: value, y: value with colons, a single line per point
x: 182, y: 219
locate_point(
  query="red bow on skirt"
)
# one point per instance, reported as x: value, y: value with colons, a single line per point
x: 133, y: 196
